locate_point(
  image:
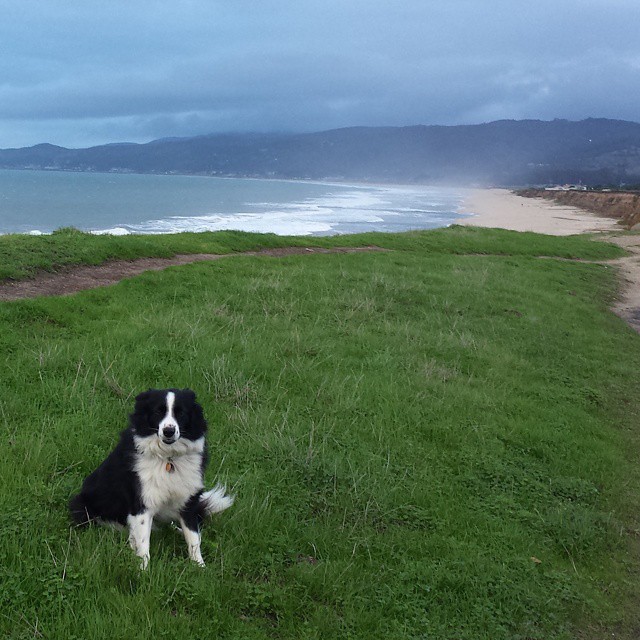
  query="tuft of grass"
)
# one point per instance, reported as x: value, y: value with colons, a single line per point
x: 422, y: 443
x: 21, y: 256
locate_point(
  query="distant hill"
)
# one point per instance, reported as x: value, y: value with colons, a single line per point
x: 502, y: 153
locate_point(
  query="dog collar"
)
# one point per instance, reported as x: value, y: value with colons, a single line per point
x: 170, y: 467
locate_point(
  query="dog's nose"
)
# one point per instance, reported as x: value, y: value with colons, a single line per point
x: 169, y: 432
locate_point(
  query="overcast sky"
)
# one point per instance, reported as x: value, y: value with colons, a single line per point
x: 83, y: 73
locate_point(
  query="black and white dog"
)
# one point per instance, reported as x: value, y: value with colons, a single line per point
x: 155, y: 471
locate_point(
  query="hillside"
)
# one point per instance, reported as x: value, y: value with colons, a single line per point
x: 502, y: 153
x: 436, y: 441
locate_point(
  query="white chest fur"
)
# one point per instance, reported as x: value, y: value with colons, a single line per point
x: 169, y: 475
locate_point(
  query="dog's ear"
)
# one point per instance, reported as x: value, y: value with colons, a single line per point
x: 141, y: 397
x: 189, y: 394
x: 195, y: 410
x: 139, y: 419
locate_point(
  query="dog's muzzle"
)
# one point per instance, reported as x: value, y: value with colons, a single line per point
x: 169, y: 435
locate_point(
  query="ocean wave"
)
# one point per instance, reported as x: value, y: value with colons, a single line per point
x: 120, y: 205
x: 114, y: 231
x: 376, y: 208
x: 280, y: 225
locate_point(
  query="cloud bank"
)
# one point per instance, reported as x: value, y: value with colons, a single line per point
x: 99, y: 72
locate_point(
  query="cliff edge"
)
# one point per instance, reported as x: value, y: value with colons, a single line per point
x: 623, y: 205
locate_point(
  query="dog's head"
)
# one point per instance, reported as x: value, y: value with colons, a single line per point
x: 169, y: 414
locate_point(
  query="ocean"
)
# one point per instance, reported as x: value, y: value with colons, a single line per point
x: 42, y: 201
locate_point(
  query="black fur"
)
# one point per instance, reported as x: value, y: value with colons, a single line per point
x: 113, y: 491
x: 193, y: 512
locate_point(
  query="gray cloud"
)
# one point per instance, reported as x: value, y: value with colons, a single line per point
x: 79, y: 74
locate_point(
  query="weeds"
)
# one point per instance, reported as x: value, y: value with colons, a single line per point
x: 412, y: 458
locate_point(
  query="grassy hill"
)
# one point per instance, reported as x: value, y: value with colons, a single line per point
x: 435, y: 441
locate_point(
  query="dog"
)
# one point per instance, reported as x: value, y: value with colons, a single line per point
x: 156, y: 471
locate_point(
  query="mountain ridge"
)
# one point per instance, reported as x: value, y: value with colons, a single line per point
x: 500, y: 153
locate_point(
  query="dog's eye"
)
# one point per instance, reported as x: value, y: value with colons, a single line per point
x: 178, y: 411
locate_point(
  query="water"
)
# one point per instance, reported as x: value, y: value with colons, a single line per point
x: 42, y: 201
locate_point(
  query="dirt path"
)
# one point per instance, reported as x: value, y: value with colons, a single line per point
x: 507, y: 210
x: 628, y: 304
x: 80, y: 277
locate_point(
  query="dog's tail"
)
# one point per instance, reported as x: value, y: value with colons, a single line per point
x: 215, y: 500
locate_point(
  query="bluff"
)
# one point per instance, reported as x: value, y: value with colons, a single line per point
x: 624, y: 205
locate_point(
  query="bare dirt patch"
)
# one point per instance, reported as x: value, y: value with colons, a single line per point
x: 76, y: 278
x: 627, y: 306
x: 80, y: 277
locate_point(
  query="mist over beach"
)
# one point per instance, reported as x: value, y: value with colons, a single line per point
x: 40, y: 201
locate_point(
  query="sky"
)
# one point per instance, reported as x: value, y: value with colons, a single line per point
x: 93, y: 72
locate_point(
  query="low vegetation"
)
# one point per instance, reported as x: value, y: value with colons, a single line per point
x: 438, y: 441
x: 21, y: 256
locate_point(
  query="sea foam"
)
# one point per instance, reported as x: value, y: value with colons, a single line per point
x: 360, y: 209
x: 151, y: 204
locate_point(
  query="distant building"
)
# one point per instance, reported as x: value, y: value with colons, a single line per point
x: 567, y: 187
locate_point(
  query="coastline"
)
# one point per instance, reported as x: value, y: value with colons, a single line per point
x: 119, y: 204
x: 501, y: 208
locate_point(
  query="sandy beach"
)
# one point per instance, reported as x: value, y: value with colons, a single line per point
x: 503, y: 209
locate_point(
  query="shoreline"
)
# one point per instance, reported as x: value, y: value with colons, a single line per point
x: 503, y: 209
x: 124, y: 204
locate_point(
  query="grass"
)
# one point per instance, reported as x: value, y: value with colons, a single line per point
x: 21, y: 256
x: 424, y: 443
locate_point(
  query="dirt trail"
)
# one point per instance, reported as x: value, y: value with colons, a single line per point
x: 627, y: 305
x: 80, y: 277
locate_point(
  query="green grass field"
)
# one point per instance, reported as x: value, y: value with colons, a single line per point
x: 439, y: 441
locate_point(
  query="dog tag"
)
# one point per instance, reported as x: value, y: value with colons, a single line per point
x: 169, y: 467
